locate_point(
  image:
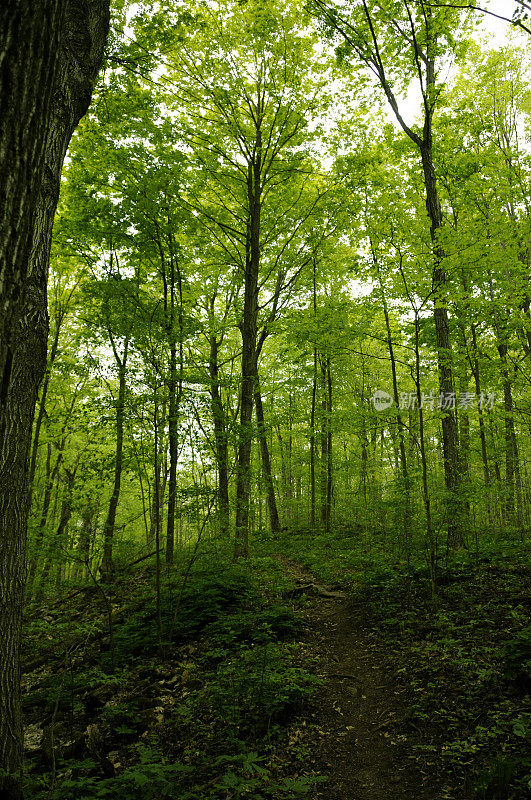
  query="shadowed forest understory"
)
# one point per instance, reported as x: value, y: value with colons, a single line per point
x: 278, y: 474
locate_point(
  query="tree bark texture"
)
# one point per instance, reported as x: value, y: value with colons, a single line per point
x: 50, y: 53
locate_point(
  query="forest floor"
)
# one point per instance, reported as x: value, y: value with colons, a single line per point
x: 312, y: 671
x: 361, y: 738
x: 438, y: 696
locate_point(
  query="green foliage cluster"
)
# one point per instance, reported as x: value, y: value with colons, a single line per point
x: 241, y: 776
x: 253, y: 687
x: 209, y: 595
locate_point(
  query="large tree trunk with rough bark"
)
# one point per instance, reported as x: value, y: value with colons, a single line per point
x: 29, y: 361
x: 49, y: 58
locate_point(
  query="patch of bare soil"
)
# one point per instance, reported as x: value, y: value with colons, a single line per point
x: 361, y: 738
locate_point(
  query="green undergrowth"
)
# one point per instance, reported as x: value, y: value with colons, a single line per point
x: 460, y: 655
x: 464, y: 660
x: 198, y: 708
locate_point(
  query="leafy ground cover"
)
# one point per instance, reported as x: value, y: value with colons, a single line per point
x: 130, y: 714
x: 320, y: 659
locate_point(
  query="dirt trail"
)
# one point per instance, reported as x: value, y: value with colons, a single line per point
x: 363, y: 741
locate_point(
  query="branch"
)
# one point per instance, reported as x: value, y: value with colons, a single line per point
x: 517, y: 23
x: 373, y: 60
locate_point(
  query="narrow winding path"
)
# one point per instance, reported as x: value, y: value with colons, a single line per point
x: 361, y: 740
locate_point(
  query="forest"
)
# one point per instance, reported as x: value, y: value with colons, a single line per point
x: 265, y: 447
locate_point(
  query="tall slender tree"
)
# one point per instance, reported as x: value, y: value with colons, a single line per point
x: 249, y: 144
x: 399, y: 42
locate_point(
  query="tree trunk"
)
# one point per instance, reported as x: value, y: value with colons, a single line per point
x: 314, y: 398
x: 107, y: 566
x: 59, y: 535
x: 86, y: 534
x: 400, y: 422
x: 455, y: 509
x: 266, y: 459
x: 512, y: 494
x: 51, y: 480
x: 464, y: 420
x: 513, y: 487
x: 220, y: 436
x: 483, y: 439
x: 329, y: 463
x: 159, y: 481
x: 312, y: 441
x: 42, y: 409
x: 494, y: 439
x: 283, y: 468
x: 432, y: 551
x: 326, y: 446
x: 155, y: 511
x: 173, y: 426
x: 248, y: 329
x: 174, y: 388
x: 16, y: 424
x: 51, y: 54
x: 31, y: 65
x: 157, y: 505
